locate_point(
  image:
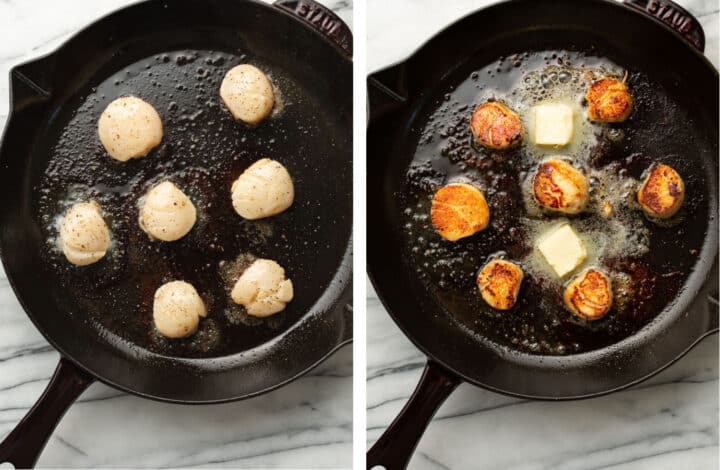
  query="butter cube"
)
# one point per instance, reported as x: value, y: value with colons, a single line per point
x: 562, y: 249
x: 553, y: 124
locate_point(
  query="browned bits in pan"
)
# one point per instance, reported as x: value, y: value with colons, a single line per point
x: 609, y: 100
x: 662, y: 192
x: 459, y: 210
x: 589, y: 295
x: 496, y: 126
x: 499, y: 283
x: 560, y: 187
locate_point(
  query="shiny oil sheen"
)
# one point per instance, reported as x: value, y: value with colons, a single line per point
x: 649, y: 262
x: 203, y: 151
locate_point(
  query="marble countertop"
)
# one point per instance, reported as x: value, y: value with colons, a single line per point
x: 668, y: 422
x: 307, y: 424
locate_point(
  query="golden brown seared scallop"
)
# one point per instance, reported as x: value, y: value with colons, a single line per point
x: 499, y: 283
x: 589, y: 294
x: 609, y: 100
x: 662, y: 192
x: 496, y: 126
x: 558, y: 186
x: 459, y: 210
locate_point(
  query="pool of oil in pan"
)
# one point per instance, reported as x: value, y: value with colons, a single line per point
x: 612, y: 156
x: 203, y: 151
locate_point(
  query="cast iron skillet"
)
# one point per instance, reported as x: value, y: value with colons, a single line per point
x: 300, y: 42
x: 635, y: 33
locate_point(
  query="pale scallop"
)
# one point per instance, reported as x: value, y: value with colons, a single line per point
x: 263, y: 190
x: 166, y: 213
x: 263, y: 289
x: 247, y: 93
x: 177, y: 308
x: 84, y: 235
x: 129, y: 128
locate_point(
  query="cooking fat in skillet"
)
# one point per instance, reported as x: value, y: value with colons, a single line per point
x: 640, y: 256
x: 203, y: 151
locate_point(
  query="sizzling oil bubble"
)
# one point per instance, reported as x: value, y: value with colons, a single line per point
x: 617, y: 236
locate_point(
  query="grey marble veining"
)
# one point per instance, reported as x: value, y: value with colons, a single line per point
x: 667, y: 423
x: 307, y: 424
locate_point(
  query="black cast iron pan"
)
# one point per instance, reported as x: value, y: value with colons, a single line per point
x: 652, y: 39
x: 174, y: 55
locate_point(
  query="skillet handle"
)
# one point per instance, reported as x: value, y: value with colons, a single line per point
x: 322, y: 19
x: 674, y: 16
x: 23, y: 445
x: 395, y: 447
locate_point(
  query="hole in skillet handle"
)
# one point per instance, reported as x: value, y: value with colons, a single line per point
x: 25, y: 443
x: 321, y: 19
x: 395, y: 447
x: 675, y: 17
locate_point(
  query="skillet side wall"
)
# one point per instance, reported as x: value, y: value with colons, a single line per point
x: 107, y: 46
x: 626, y: 37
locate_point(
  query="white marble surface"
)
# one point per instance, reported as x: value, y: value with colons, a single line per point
x: 669, y: 422
x: 307, y: 424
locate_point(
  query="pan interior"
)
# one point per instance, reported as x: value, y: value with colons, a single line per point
x: 648, y: 261
x: 203, y: 150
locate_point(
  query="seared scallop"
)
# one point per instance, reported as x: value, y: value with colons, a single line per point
x: 558, y: 186
x: 609, y: 100
x: 499, y: 283
x: 84, y: 236
x: 263, y: 289
x: 247, y: 93
x: 167, y: 213
x: 496, y: 126
x: 263, y: 190
x: 129, y: 128
x: 459, y: 210
x: 662, y: 192
x: 589, y: 294
x: 177, y: 308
